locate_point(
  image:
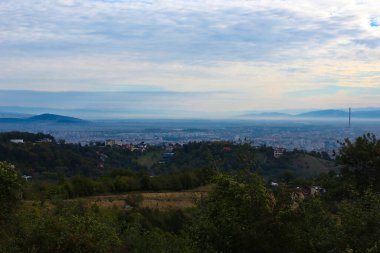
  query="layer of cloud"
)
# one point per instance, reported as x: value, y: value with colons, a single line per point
x: 257, y: 51
x: 271, y: 30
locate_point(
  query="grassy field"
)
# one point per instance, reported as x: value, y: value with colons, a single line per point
x: 159, y: 200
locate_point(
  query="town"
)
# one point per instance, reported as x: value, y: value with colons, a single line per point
x: 318, y: 137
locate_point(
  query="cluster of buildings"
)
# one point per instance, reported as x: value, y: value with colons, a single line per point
x: 289, y: 135
x: 319, y: 141
x: 21, y: 141
x: 301, y: 192
x: 16, y: 141
x: 142, y: 146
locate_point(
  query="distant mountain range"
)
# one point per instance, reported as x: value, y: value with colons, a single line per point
x: 42, y: 119
x: 324, y: 114
x: 370, y: 114
x: 55, y: 119
x: 14, y: 115
x: 269, y: 114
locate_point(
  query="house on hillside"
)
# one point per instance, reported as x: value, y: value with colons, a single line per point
x: 17, y: 141
x: 169, y: 148
x: 273, y: 184
x: 110, y: 143
x: 278, y: 152
x: 44, y: 140
x: 317, y: 190
x: 311, y: 190
x: 26, y: 177
x: 142, y: 146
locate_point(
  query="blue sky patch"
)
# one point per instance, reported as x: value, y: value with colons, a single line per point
x: 374, y: 23
x: 331, y: 90
x: 328, y: 90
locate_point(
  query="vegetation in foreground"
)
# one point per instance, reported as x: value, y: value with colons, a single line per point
x: 240, y: 213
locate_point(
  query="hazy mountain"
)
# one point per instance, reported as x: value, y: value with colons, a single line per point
x: 268, y: 114
x: 324, y: 114
x: 44, y: 119
x: 12, y: 120
x: 14, y: 115
x: 370, y: 114
x: 366, y: 114
x: 363, y: 114
x: 54, y: 118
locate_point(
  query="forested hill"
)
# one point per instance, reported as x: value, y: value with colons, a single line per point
x: 236, y: 212
x: 226, y: 156
x: 43, y: 157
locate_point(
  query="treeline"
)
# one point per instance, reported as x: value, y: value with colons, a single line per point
x: 115, y: 182
x: 45, y: 160
x: 53, y: 160
x: 227, y: 157
x: 27, y: 137
x: 222, y: 155
x: 239, y: 214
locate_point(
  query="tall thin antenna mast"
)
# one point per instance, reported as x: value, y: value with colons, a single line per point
x: 349, y: 117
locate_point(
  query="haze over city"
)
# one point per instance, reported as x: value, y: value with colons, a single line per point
x: 187, y: 59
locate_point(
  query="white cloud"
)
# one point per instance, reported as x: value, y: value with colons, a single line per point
x: 260, y: 49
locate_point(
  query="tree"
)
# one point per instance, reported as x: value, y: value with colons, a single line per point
x: 236, y: 216
x: 361, y: 160
x: 10, y: 189
x: 68, y: 227
x: 360, y: 219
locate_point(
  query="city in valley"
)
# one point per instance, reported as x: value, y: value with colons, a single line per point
x: 301, y: 134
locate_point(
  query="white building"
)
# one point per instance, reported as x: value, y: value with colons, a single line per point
x: 278, y: 152
x: 110, y: 143
x: 17, y: 141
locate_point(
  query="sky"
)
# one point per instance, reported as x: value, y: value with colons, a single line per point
x: 185, y: 58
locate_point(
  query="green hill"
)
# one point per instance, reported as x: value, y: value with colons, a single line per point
x: 298, y: 163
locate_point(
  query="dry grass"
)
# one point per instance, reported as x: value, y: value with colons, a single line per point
x: 160, y: 200
x: 175, y: 200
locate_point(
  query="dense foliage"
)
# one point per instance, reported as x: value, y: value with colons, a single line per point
x: 229, y: 157
x: 47, y: 159
x: 117, y: 181
x: 53, y: 160
x: 361, y: 161
x: 240, y: 213
x: 10, y: 189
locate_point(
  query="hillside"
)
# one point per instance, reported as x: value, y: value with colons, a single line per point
x: 158, y: 200
x: 307, y: 166
x: 225, y: 156
x: 298, y: 164
x: 46, y: 160
x: 126, y: 207
x: 43, y: 119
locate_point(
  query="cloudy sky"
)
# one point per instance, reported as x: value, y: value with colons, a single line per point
x: 185, y: 58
